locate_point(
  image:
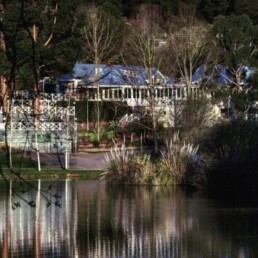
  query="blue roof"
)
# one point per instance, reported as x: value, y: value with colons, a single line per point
x: 65, y: 77
x: 115, y: 74
x: 219, y: 74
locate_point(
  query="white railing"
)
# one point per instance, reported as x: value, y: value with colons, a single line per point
x: 123, y: 92
x: 43, y: 126
x: 22, y: 109
x: 132, y: 94
x: 23, y: 95
x: 47, y: 141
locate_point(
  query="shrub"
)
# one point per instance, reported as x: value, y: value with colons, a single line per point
x: 235, y: 138
x: 231, y: 151
x: 180, y: 165
x: 177, y: 165
x: 92, y: 137
x: 108, y: 135
x: 192, y: 125
x: 125, y: 167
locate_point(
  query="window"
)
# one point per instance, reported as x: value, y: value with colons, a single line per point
x: 136, y: 93
x: 127, y: 93
x: 129, y: 72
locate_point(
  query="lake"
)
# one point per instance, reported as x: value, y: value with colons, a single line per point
x: 72, y: 218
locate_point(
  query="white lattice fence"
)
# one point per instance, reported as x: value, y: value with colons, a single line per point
x: 56, y: 123
x: 44, y: 126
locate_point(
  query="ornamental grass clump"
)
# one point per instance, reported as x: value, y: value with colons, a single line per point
x: 145, y: 169
x: 179, y: 165
x: 127, y: 167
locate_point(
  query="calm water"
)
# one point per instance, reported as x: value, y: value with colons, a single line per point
x: 99, y: 221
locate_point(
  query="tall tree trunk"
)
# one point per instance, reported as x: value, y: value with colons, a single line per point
x: 154, y: 119
x: 36, y: 85
x: 4, y: 95
x: 36, y: 93
x: 238, y: 79
x: 3, y: 85
x: 155, y: 136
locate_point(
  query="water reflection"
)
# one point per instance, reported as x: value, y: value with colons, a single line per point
x: 100, y: 221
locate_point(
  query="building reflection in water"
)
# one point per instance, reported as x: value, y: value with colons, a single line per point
x: 95, y: 220
x: 40, y: 231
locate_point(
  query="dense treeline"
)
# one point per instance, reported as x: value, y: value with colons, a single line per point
x: 127, y: 8
x: 48, y: 37
x: 209, y: 9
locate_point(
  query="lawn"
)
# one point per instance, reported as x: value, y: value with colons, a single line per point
x: 27, y: 169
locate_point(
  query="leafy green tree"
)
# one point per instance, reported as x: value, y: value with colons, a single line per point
x: 238, y: 39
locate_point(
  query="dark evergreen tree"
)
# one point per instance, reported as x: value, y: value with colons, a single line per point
x: 213, y: 8
x: 41, y: 38
x: 112, y: 8
x: 249, y: 7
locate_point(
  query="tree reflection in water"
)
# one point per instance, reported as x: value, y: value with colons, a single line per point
x: 96, y: 220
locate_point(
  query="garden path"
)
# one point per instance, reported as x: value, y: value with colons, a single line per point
x: 87, y: 161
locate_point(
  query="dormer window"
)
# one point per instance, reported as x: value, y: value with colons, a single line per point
x: 129, y: 73
x: 98, y: 70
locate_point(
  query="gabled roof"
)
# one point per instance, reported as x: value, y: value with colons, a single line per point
x: 65, y: 77
x: 219, y: 74
x: 116, y: 75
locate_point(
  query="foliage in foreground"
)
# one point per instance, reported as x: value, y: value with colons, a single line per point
x: 177, y: 165
x: 231, y: 151
x: 127, y: 167
x: 225, y: 164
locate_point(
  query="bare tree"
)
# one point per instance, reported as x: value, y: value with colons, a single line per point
x: 143, y: 50
x: 103, y: 36
x: 188, y: 45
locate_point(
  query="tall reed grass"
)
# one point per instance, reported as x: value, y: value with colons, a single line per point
x: 126, y: 167
x: 177, y: 164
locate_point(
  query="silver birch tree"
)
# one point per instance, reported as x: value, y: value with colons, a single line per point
x: 103, y: 41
